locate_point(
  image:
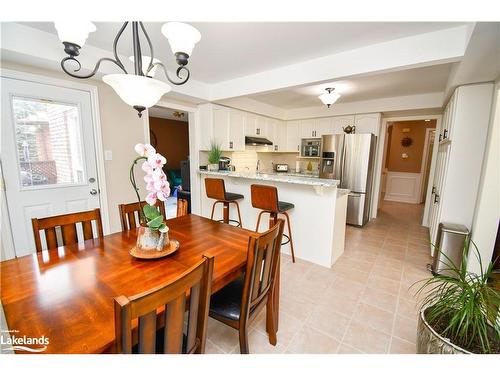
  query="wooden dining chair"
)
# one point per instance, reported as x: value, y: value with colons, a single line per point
x: 130, y: 213
x: 175, y: 337
x: 68, y: 226
x: 182, y: 207
x: 239, y: 302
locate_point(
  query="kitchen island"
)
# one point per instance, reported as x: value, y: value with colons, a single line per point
x: 317, y: 220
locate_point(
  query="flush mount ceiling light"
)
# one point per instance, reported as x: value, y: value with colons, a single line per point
x: 329, y: 97
x: 138, y: 89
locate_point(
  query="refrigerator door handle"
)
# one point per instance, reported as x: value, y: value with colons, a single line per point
x: 342, y: 162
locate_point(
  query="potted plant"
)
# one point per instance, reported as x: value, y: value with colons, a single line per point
x: 214, y: 155
x: 460, y: 310
x: 153, y: 233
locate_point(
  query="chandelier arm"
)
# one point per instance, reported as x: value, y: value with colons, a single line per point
x: 115, y: 44
x: 150, y: 66
x: 96, y: 68
x: 178, y: 74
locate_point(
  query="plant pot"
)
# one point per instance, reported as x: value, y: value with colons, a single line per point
x: 431, y: 342
x: 152, y: 240
x: 213, y: 167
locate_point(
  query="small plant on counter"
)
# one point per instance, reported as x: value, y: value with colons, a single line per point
x: 214, y: 155
x: 156, y: 184
x: 462, y: 307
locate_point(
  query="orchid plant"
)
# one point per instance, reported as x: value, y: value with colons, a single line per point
x: 156, y: 184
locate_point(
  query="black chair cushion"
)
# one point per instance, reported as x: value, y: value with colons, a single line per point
x: 285, y: 206
x: 233, y: 196
x: 227, y: 301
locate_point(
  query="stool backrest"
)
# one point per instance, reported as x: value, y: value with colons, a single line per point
x: 215, y: 188
x: 264, y: 197
x: 262, y: 265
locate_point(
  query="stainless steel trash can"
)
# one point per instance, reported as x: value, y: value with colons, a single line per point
x: 450, y: 241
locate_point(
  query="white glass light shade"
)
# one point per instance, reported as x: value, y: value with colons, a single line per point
x: 136, y: 90
x: 75, y: 32
x: 329, y: 98
x: 181, y: 37
x: 145, y: 65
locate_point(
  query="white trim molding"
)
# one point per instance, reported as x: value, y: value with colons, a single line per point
x: 403, y: 187
x: 96, y: 124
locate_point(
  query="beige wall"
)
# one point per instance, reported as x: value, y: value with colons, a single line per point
x: 121, y: 129
x: 172, y: 140
x: 412, y: 164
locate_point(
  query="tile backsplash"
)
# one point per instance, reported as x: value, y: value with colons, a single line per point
x: 248, y: 159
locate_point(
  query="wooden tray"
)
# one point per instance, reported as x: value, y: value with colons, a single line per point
x: 153, y: 254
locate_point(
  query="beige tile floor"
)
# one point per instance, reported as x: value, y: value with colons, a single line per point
x: 361, y: 305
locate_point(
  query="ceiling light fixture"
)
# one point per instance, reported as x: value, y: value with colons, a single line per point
x: 138, y: 89
x: 329, y: 97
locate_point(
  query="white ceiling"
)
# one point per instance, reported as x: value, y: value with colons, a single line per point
x: 230, y: 50
x: 376, y: 86
x: 167, y: 113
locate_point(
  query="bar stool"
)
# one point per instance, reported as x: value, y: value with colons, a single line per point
x: 216, y: 189
x: 265, y: 198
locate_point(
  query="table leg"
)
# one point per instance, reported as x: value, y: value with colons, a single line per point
x: 225, y: 212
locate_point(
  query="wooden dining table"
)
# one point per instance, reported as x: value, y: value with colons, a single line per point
x: 66, y: 294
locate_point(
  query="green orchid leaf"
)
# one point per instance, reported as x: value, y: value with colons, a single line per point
x: 156, y: 222
x: 151, y: 212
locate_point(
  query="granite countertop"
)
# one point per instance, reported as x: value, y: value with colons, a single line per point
x: 292, y: 178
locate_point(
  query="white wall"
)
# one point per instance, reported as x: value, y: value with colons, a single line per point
x: 487, y: 214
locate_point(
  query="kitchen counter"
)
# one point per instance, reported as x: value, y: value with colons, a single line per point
x: 290, y: 178
x: 318, y: 218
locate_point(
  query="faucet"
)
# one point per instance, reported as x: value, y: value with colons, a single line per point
x: 257, y: 167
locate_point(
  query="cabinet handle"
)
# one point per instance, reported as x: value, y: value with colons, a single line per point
x: 298, y: 147
x: 433, y: 190
x: 436, y: 198
x: 275, y: 147
x: 258, y: 131
x: 445, y: 134
x: 231, y: 144
x: 440, y: 137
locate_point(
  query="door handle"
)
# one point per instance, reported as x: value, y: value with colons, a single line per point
x: 445, y: 134
x: 93, y: 192
x: 436, y: 198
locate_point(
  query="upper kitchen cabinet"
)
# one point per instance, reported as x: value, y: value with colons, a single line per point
x: 367, y: 123
x: 277, y: 134
x: 222, y: 125
x: 255, y: 125
x: 340, y: 122
x: 323, y: 126
x: 292, y: 136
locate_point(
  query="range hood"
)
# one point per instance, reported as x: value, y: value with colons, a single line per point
x: 257, y: 141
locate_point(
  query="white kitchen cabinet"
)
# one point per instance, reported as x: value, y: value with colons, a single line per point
x: 236, y: 131
x: 221, y: 127
x: 308, y: 128
x: 324, y: 126
x: 340, y: 122
x: 278, y: 135
x: 460, y: 157
x: 255, y: 125
x: 367, y: 123
x: 293, y: 138
x: 261, y: 126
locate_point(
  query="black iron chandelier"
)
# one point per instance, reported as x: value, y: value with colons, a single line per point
x: 139, y: 89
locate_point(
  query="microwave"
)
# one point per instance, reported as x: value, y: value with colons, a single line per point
x: 310, y: 148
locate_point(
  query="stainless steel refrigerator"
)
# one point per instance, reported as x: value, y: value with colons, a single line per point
x: 350, y: 159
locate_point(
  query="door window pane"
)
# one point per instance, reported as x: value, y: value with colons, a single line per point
x: 49, y: 142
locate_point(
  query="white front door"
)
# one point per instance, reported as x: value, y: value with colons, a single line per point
x: 48, y: 155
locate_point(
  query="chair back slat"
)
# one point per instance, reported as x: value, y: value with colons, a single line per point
x: 128, y: 212
x: 194, y: 299
x: 182, y: 207
x: 69, y: 235
x: 174, y: 323
x: 262, y: 265
x: 87, y: 230
x: 215, y: 188
x: 264, y: 197
x: 50, y: 238
x: 172, y: 296
x: 67, y: 225
x: 147, y: 333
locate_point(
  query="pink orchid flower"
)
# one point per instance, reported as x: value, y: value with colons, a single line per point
x: 145, y: 149
x: 151, y: 198
x: 156, y: 161
x: 150, y: 186
x: 159, y: 175
x: 162, y: 185
x: 161, y: 196
x: 146, y: 167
